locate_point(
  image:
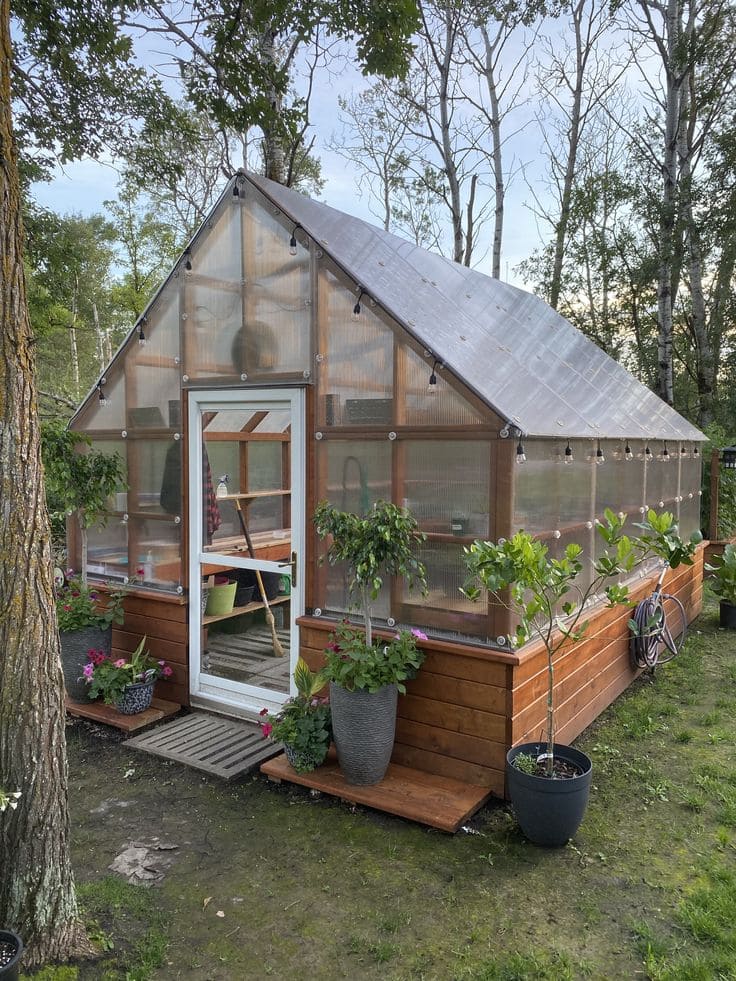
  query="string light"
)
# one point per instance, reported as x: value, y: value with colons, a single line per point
x: 432, y: 384
x: 292, y: 240
x: 568, y: 453
x: 188, y: 260
x: 664, y: 456
x: 356, y: 308
x: 141, y: 333
x: 236, y: 192
x: 684, y: 455
x: 520, y: 454
x: 628, y: 455
x: 696, y: 451
x: 648, y: 454
x: 599, y: 457
x: 100, y: 391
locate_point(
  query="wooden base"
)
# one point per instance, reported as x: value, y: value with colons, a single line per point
x: 99, y: 712
x: 427, y: 798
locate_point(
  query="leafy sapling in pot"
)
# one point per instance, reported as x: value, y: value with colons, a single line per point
x: 366, y: 674
x: 548, y: 596
x: 723, y: 583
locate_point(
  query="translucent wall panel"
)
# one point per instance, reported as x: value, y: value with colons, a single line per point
x: 155, y: 552
x: 352, y: 476
x: 111, y: 414
x: 213, y: 315
x: 216, y: 253
x: 446, y: 485
x: 355, y: 358
x: 431, y: 405
x: 690, y: 477
x: 154, y: 469
x: 107, y: 550
x: 153, y: 377
x: 277, y: 314
x: 550, y: 495
x: 662, y: 479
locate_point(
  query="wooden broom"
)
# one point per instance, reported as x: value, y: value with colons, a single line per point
x: 278, y: 650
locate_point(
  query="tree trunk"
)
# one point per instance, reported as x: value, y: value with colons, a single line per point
x: 274, y: 158
x: 498, y: 181
x: 573, y: 141
x: 37, y: 897
x: 459, y: 253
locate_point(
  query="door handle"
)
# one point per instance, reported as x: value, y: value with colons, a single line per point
x: 293, y: 569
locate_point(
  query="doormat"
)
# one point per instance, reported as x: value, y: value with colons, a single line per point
x: 224, y: 748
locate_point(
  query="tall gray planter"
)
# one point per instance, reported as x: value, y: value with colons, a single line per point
x: 74, y: 647
x: 363, y: 728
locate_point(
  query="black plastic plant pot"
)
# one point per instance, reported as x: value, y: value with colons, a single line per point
x: 11, y: 951
x: 727, y: 615
x: 549, y: 811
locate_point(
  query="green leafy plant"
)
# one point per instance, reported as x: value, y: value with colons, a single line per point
x: 546, y: 594
x: 526, y: 763
x: 304, y: 722
x: 79, y: 479
x: 79, y: 606
x: 381, y: 543
x: 353, y: 664
x: 108, y: 676
x: 723, y: 568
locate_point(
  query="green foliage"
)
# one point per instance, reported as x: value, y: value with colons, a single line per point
x: 78, y: 478
x: 545, y: 593
x: 526, y: 762
x: 354, y: 664
x: 381, y: 543
x: 78, y: 606
x: 723, y: 568
x: 304, y: 722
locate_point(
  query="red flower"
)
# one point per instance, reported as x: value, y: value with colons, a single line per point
x: 263, y: 712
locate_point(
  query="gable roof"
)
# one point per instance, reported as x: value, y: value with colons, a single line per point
x: 521, y: 357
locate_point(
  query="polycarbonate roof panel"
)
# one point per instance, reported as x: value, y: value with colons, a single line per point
x: 519, y: 355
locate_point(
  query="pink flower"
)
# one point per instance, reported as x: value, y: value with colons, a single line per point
x: 120, y: 663
x: 267, y: 729
x: 161, y: 663
x: 418, y: 634
x: 67, y: 607
x: 88, y: 671
x: 167, y: 672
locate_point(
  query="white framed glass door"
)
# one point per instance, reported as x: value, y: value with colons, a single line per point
x: 246, y: 546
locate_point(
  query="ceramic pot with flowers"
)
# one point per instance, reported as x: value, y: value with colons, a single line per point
x: 303, y: 723
x: 85, y: 621
x: 126, y: 683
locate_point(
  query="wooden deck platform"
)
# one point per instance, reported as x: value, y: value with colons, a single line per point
x: 427, y: 798
x: 109, y: 716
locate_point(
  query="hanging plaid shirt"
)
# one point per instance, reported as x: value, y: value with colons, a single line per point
x: 211, y: 510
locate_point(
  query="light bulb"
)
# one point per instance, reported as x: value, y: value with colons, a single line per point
x: 292, y: 244
x: 520, y: 454
x: 628, y: 455
x: 569, y: 458
x: 599, y: 457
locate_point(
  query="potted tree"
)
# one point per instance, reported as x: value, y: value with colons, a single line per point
x: 80, y: 481
x: 367, y: 674
x: 549, y: 783
x: 723, y: 582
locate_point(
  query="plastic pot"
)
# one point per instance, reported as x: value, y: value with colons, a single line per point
x: 549, y: 811
x: 11, y: 951
x: 363, y: 729
x: 74, y: 647
x: 727, y: 613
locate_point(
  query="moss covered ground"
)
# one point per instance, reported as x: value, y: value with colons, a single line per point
x: 269, y: 881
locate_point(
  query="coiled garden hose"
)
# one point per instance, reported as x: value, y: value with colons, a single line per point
x: 654, y: 640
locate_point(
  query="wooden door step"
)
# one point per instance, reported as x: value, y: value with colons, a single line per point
x: 225, y: 748
x: 427, y: 798
x: 109, y: 716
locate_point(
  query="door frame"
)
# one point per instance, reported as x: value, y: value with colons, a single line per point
x: 208, y: 691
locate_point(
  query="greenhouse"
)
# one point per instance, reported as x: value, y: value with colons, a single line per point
x: 296, y: 354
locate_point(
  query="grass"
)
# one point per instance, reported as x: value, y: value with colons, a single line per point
x: 269, y: 881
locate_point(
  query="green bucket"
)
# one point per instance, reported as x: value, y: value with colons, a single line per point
x: 221, y: 599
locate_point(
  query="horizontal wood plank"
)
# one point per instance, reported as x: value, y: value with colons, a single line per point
x: 457, y: 691
x: 422, y: 759
x: 149, y: 626
x: 458, y: 745
x: 455, y: 718
x: 166, y: 650
x: 430, y: 799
